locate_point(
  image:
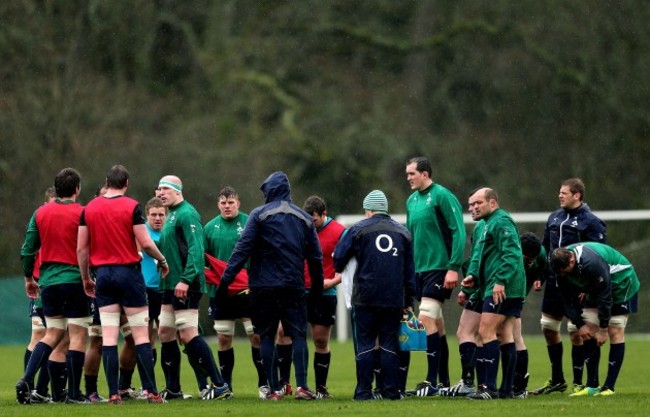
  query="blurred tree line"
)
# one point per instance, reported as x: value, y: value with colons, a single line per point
x: 514, y: 94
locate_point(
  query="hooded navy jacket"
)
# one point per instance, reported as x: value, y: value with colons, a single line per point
x: 385, y: 275
x: 279, y: 236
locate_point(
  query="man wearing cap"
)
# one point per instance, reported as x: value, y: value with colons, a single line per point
x: 434, y: 217
x: 383, y: 285
x: 181, y: 242
x: 279, y: 236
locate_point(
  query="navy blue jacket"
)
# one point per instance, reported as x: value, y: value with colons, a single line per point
x: 279, y: 236
x: 566, y: 227
x: 385, y: 275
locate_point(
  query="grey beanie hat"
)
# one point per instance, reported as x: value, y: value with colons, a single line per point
x: 375, y: 201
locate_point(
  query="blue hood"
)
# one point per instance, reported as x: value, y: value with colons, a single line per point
x: 276, y: 187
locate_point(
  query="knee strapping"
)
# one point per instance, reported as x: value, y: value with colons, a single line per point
x: 550, y: 323
x: 618, y: 321
x: 167, y: 319
x: 186, y: 319
x: 591, y: 316
x: 248, y: 326
x: 95, y: 331
x: 225, y: 327
x: 109, y: 319
x: 571, y: 328
x: 125, y: 329
x: 61, y: 323
x: 37, y: 323
x: 81, y: 321
x: 138, y: 319
x: 431, y: 308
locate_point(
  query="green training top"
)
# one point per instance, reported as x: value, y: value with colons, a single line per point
x: 624, y: 281
x: 50, y: 273
x: 181, y: 241
x: 496, y: 256
x: 220, y: 237
x: 435, y: 219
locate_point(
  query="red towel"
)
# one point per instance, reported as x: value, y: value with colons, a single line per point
x: 215, y: 270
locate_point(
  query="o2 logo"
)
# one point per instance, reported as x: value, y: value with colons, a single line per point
x: 384, y: 243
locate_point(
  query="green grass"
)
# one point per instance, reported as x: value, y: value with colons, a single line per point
x: 632, y: 395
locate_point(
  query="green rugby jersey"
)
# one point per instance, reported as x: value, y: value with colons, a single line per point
x: 220, y: 237
x: 496, y: 256
x: 181, y: 241
x: 434, y: 217
x: 50, y: 273
x: 624, y: 281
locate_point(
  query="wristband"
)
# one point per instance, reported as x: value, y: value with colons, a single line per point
x: 163, y: 261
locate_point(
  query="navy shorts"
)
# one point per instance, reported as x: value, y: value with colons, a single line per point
x: 154, y: 299
x: 67, y: 300
x: 33, y: 310
x: 474, y: 304
x: 94, y: 310
x: 510, y: 307
x: 630, y: 306
x: 232, y: 307
x: 552, y: 300
x: 190, y: 303
x: 627, y: 307
x: 270, y: 306
x: 120, y: 284
x: 432, y: 285
x: 322, y: 310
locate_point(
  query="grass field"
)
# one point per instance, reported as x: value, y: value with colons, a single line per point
x: 632, y: 394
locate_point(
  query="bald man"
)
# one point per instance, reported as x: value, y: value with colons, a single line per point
x: 181, y: 242
x: 497, y: 270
